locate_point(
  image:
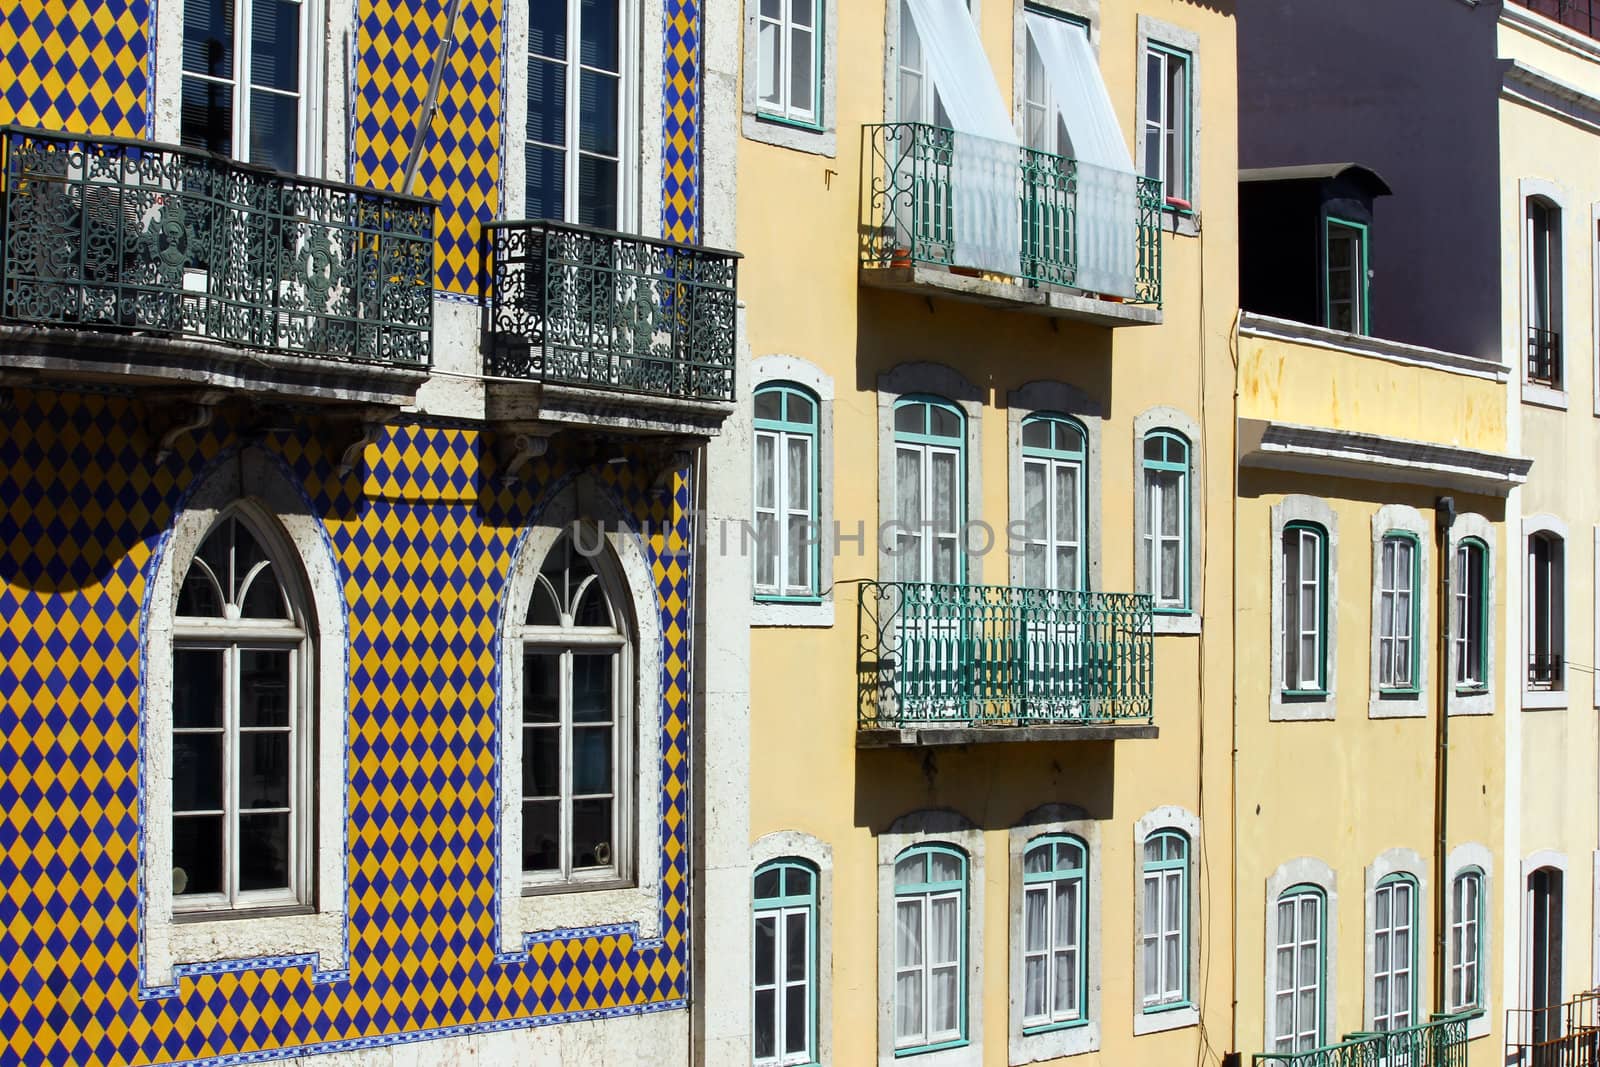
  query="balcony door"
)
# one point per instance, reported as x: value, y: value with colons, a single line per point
x: 1054, y: 568
x: 246, y: 90
x: 1544, y: 954
x: 582, y: 81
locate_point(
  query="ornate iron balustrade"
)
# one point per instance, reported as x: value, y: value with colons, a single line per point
x: 1440, y: 1042
x: 588, y: 307
x: 1580, y: 15
x: 908, y: 202
x: 1544, y: 357
x: 996, y: 655
x: 1544, y: 670
x: 1561, y: 1035
x: 112, y: 233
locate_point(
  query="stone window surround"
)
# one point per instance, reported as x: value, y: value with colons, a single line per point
x: 1528, y: 189
x: 1460, y: 858
x: 643, y: 175
x: 1071, y: 1041
x: 522, y: 912
x: 1403, y: 519
x: 1304, y: 871
x: 1410, y: 863
x: 765, y: 370
x: 1169, y: 418
x: 932, y: 379
x: 1167, y: 817
x: 1045, y: 397
x: 260, y: 482
x: 795, y: 844
x: 928, y: 827
x: 1470, y: 524
x: 780, y: 132
x: 1542, y: 699
x: 1185, y: 224
x: 1296, y: 507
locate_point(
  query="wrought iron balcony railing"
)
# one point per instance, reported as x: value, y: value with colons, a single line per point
x: 1440, y: 1042
x: 1562, y: 1035
x: 1580, y: 15
x: 909, y: 197
x: 580, y: 306
x: 1544, y: 670
x: 995, y: 655
x: 109, y: 233
x: 1544, y: 357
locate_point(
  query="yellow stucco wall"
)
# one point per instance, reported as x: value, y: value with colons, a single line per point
x: 798, y: 228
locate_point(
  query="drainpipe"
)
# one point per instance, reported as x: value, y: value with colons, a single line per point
x: 1445, y: 517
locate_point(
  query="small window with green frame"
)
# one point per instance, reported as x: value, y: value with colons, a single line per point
x: 789, y: 53
x: 1165, y: 538
x: 1466, y: 941
x: 1345, y: 256
x: 930, y: 949
x: 1399, y: 609
x: 1055, y: 497
x: 1394, y: 953
x: 784, y: 964
x: 1469, y: 621
x: 1055, y: 908
x: 930, y: 505
x: 1168, y: 126
x: 788, y: 538
x: 1165, y: 938
x: 1299, y: 970
x: 1304, y: 609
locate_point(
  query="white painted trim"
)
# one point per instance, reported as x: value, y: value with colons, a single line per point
x: 1460, y: 858
x: 926, y: 828
x: 1549, y: 31
x: 1063, y: 399
x: 1409, y: 862
x: 801, y: 371
x: 1292, y: 508
x: 1167, y: 817
x: 278, y: 505
x: 1305, y: 870
x: 1542, y: 396
x: 1053, y: 1044
x: 1266, y: 327
x: 1550, y: 95
x: 782, y: 844
x: 1384, y: 458
x: 1543, y: 699
x: 1401, y: 518
x: 1471, y: 524
x: 524, y: 911
x: 1170, y: 418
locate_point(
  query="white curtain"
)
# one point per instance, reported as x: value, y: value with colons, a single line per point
x: 1108, y: 195
x: 985, y: 162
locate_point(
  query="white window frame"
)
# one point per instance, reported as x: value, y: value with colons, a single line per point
x: 1164, y: 124
x: 1184, y: 620
x: 925, y: 901
x: 1305, y: 578
x: 1477, y: 858
x: 785, y: 108
x: 782, y: 983
x: 1390, y: 895
x: 1466, y: 940
x: 1052, y: 398
x: 1058, y: 944
x: 780, y: 511
x: 1155, y: 1019
x: 1291, y: 705
x: 1053, y: 538
x: 1386, y: 700
x: 1555, y: 199
x: 1397, y: 864
x: 795, y: 846
x: 1302, y: 872
x: 1170, y: 884
x: 794, y: 370
x: 1397, y: 600
x: 1555, y: 694
x: 1301, y: 1037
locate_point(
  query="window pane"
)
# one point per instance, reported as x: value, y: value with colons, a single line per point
x: 799, y: 474
x: 591, y: 832
x: 945, y: 931
x: 767, y: 885
x: 264, y: 769
x: 274, y: 130
x: 1036, y: 987
x: 263, y: 851
x: 801, y: 409
x: 945, y: 423
x: 766, y: 1009
x: 795, y: 1028
x: 597, y: 192
x: 541, y: 835
x: 766, y: 966
x: 908, y: 933
x: 1036, y: 434
x: 769, y: 64
x: 598, y: 23
x: 944, y: 1000
x: 264, y: 597
x: 911, y: 870
x: 275, y: 44
x: 1036, y: 919
x: 541, y: 761
x: 197, y: 687
x: 597, y: 114
x: 541, y: 687
x: 943, y: 867
x: 208, y: 37
x: 207, y: 124
x: 1067, y: 503
x: 800, y: 69
x: 908, y: 1004
x: 796, y: 954
x: 197, y: 772
x: 547, y: 102
x: 591, y: 688
x: 264, y: 687
x: 591, y: 759
x: 945, y: 492
x: 1066, y: 966
x: 547, y: 28
x: 798, y: 881
x: 197, y: 855
x: 910, y: 418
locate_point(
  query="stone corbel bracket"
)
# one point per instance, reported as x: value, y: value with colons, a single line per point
x: 181, y: 415
x: 515, y: 449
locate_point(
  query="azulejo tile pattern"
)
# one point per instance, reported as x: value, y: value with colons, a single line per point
x: 423, y: 552
x: 76, y: 66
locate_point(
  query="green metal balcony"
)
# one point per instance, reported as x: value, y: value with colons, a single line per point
x: 102, y: 233
x: 1440, y: 1042
x: 935, y: 655
x: 594, y: 309
x: 909, y: 177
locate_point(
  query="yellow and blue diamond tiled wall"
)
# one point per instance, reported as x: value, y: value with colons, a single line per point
x: 426, y: 537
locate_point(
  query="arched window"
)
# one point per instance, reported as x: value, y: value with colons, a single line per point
x: 1055, y: 901
x: 1542, y: 255
x: 787, y: 539
x: 785, y: 972
x: 1394, y: 953
x: 1469, y: 628
x: 1466, y: 940
x: 1298, y: 969
x: 1054, y: 488
x: 930, y: 505
x: 1165, y: 538
x: 1305, y: 609
x: 242, y: 722
x: 1165, y: 939
x: 576, y: 707
x: 1398, y: 610
x: 930, y: 948
x: 1546, y: 621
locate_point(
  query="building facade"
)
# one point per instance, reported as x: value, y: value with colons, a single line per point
x: 990, y: 702
x: 358, y: 655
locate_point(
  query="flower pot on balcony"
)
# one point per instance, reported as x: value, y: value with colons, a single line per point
x: 900, y: 257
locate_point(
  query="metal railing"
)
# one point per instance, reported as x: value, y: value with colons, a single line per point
x: 1544, y: 670
x: 909, y: 200
x: 105, y: 232
x: 588, y: 307
x: 1440, y: 1042
x: 1544, y: 357
x: 1562, y: 1035
x: 1580, y: 15
x: 1000, y: 655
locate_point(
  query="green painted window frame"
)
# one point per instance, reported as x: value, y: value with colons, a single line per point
x: 785, y: 903
x: 1481, y: 565
x: 1323, y: 541
x: 1184, y: 469
x: 928, y: 439
x: 1158, y: 868
x: 1296, y: 893
x: 1054, y: 875
x: 1388, y: 883
x: 1415, y: 686
x: 1056, y: 452
x: 785, y: 428
x: 1455, y: 964
x: 1362, y: 274
x: 926, y: 890
x: 1171, y: 52
x: 819, y: 40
